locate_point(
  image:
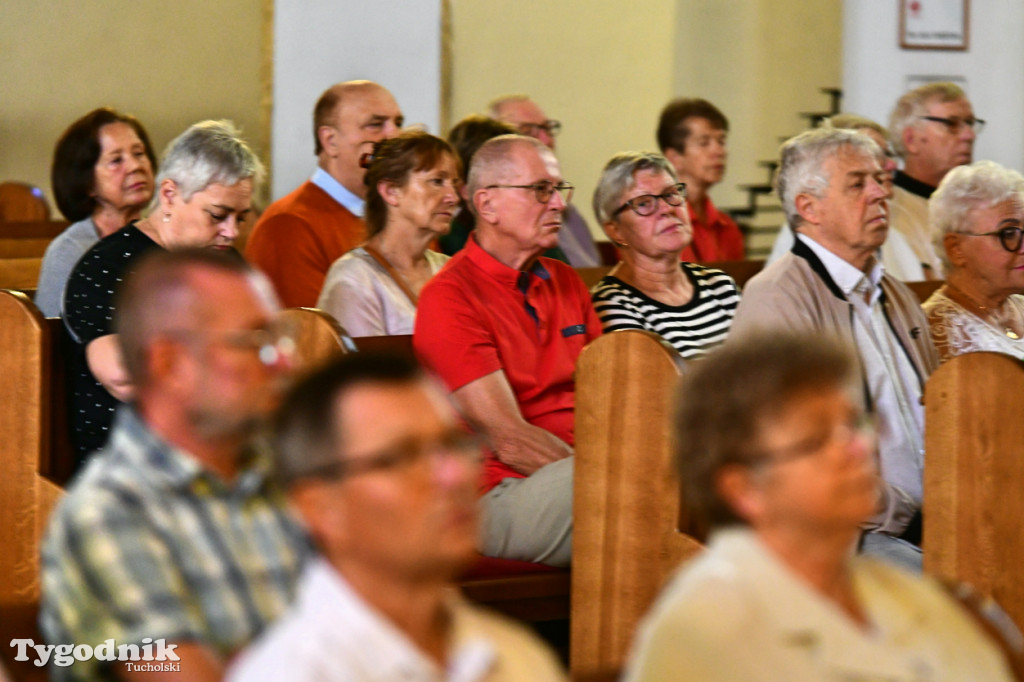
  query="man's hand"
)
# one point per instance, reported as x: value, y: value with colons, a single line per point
x: 490, y: 406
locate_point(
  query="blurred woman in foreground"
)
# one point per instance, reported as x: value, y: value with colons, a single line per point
x: 781, y: 465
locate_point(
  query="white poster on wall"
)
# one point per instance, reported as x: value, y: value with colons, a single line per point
x: 933, y: 24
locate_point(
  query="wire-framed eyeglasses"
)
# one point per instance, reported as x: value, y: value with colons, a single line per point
x: 543, y: 190
x: 647, y: 204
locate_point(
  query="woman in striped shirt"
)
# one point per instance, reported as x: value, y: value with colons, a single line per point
x: 640, y: 204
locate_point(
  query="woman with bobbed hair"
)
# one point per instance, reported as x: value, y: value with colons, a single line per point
x: 641, y: 206
x: 412, y: 193
x: 204, y: 193
x: 776, y: 455
x: 977, y: 215
x: 102, y: 178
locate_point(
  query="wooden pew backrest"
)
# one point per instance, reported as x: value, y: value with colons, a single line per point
x: 317, y: 335
x: 26, y: 413
x: 626, y: 512
x: 974, y: 475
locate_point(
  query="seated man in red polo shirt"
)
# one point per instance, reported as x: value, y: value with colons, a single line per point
x: 692, y: 135
x: 503, y: 327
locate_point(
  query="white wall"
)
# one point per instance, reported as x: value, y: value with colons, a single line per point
x: 876, y: 70
x: 317, y: 43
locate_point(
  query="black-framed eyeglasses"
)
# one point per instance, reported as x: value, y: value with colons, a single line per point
x: 955, y: 125
x: 543, y: 190
x: 407, y: 455
x: 646, y: 204
x: 1009, y: 237
x: 550, y: 126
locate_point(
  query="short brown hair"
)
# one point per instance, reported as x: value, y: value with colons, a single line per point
x: 672, y: 128
x: 393, y: 161
x: 73, y: 173
x: 723, y: 403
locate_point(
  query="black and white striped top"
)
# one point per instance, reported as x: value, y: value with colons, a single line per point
x: 693, y: 329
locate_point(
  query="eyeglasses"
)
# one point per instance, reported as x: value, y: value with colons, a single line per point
x: 550, y: 126
x: 1009, y: 237
x: 646, y: 204
x: 407, y: 455
x: 955, y: 125
x: 543, y: 190
x: 273, y: 344
x: 861, y: 426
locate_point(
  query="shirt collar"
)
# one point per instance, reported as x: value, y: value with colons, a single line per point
x: 913, y: 185
x: 325, y: 593
x: 507, y: 276
x: 168, y: 466
x: 338, y: 192
x: 848, y: 278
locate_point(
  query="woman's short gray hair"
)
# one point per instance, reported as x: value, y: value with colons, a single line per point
x: 619, y: 176
x: 983, y: 184
x: 802, y: 168
x: 208, y: 152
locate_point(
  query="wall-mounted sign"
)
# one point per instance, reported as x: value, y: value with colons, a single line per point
x: 934, y: 24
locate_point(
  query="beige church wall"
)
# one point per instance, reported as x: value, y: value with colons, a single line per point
x: 761, y: 62
x: 168, y: 64
x: 601, y: 67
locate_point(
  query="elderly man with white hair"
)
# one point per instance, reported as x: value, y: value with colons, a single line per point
x: 933, y: 128
x: 833, y: 190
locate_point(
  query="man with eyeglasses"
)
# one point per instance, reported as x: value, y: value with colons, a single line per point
x: 502, y: 327
x: 933, y: 128
x: 300, y: 235
x: 692, y: 135
x: 372, y: 456
x: 575, y: 238
x: 173, y: 531
x: 831, y: 283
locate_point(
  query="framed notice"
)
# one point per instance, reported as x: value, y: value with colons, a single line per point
x: 934, y: 24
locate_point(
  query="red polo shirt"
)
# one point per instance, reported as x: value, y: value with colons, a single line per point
x: 718, y: 239
x: 478, y: 315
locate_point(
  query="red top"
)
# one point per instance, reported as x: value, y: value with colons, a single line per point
x: 477, y: 316
x: 717, y: 240
x: 297, y: 239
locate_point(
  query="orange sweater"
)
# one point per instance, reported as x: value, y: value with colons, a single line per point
x: 297, y: 239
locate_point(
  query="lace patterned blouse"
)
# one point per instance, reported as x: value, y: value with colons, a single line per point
x: 956, y: 330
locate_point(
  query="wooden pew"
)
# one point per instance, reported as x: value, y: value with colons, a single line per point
x: 27, y: 352
x: 318, y: 336
x: 924, y: 289
x: 627, y: 507
x: 974, y: 475
x: 22, y: 245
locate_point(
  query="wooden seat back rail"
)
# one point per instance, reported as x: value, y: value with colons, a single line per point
x: 627, y: 504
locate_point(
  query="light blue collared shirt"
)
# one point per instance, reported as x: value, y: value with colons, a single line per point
x: 892, y: 381
x: 338, y: 192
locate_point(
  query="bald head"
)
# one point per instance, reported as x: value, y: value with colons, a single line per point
x: 526, y: 116
x: 349, y: 118
x: 496, y: 160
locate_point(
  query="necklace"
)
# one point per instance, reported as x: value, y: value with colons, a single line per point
x: 988, y: 314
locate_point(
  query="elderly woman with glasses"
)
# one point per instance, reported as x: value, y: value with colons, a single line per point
x: 203, y: 195
x: 781, y: 466
x: 640, y: 204
x: 977, y: 214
